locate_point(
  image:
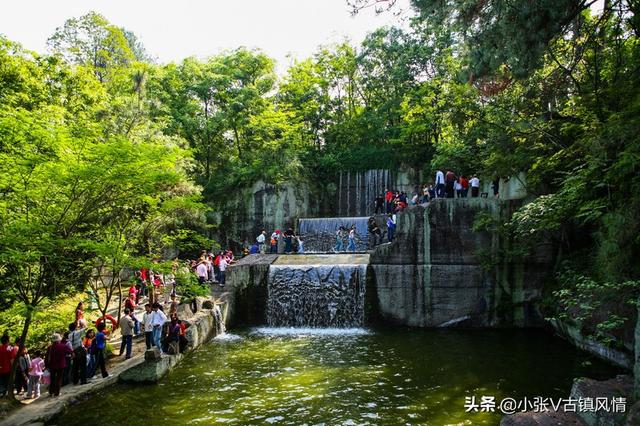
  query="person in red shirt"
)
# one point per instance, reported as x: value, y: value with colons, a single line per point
x: 388, y: 198
x: 7, y: 355
x: 464, y: 183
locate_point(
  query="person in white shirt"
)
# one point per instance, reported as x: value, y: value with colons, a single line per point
x: 223, y: 267
x: 439, y: 184
x: 261, y: 239
x: 201, y: 272
x: 157, y: 321
x: 475, y: 186
x: 148, y: 326
x: 458, y: 187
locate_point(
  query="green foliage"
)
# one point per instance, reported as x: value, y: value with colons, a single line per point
x: 581, y: 299
x: 189, y: 286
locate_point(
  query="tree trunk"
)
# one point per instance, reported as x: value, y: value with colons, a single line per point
x: 14, y: 366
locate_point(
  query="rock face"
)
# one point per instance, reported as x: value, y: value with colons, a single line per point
x: 265, y: 206
x: 439, y: 271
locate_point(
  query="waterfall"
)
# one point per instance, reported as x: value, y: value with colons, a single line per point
x: 319, y: 234
x: 316, y: 295
x: 357, y: 191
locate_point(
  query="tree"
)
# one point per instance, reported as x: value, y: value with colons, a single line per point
x: 93, y: 42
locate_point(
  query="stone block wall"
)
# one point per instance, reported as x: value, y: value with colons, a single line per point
x: 437, y: 272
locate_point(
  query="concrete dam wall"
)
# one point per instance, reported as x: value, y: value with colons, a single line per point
x: 438, y: 272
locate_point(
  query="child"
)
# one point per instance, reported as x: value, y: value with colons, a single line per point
x: 36, y: 369
x: 22, y: 372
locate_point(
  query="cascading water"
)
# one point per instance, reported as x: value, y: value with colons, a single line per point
x: 319, y: 234
x: 357, y: 191
x: 317, y: 295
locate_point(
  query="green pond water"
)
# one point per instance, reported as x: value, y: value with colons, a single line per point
x: 347, y: 377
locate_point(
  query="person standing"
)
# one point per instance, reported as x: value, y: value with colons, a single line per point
x: 6, y: 361
x: 56, y: 362
x: 374, y: 231
x: 22, y: 371
x: 388, y: 198
x: 439, y: 184
x: 300, y: 244
x: 464, y: 183
x: 449, y: 182
x: 391, y: 227
x: 80, y: 315
x: 288, y: 241
x: 201, y: 272
x: 339, y: 243
x: 148, y: 326
x: 261, y: 239
x: 458, y: 188
x: 223, y: 270
x: 352, y: 239
x: 79, y: 368
x: 100, y: 345
x: 495, y: 185
x: 157, y: 321
x: 36, y: 370
x: 126, y: 329
x: 379, y: 202
x: 475, y: 186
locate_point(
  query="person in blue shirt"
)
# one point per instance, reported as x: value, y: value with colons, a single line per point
x: 101, y: 345
x: 391, y: 227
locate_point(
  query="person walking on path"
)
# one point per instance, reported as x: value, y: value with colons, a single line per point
x: 157, y: 321
x: 126, y: 329
x: 56, y: 362
x: 100, y: 345
x: 300, y: 244
x: 339, y: 243
x: 79, y: 368
x: 475, y: 186
x: 439, y: 184
x: 352, y: 239
x: 36, y: 370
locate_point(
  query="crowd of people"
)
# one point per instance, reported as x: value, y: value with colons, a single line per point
x: 292, y: 242
x: 212, y: 268
x: 80, y: 352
